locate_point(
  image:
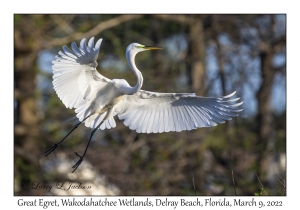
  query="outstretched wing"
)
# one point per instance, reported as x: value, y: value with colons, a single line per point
x: 150, y: 112
x: 76, y: 80
x: 74, y: 73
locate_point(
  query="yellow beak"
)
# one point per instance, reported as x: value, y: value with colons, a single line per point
x: 152, y: 48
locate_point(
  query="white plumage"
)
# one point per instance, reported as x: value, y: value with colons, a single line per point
x: 79, y: 85
x: 96, y: 98
x: 148, y: 112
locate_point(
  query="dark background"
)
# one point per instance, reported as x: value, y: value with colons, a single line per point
x: 211, y: 55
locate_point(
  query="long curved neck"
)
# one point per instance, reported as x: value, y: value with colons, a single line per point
x: 130, y: 59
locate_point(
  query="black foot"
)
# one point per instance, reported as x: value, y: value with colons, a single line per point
x: 51, y: 149
x: 78, y: 162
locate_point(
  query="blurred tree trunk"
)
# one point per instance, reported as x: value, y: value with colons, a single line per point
x: 264, y: 115
x: 196, y: 55
x: 269, y: 46
x: 197, y: 75
x: 27, y: 128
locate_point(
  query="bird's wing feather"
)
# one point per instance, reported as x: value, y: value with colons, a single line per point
x: 74, y: 73
x: 150, y: 112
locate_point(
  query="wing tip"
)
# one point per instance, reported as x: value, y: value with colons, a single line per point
x: 231, y: 94
x: 97, y: 45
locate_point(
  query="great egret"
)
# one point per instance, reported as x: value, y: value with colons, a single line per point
x: 98, y: 99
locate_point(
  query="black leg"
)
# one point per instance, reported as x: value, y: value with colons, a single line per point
x: 81, y: 157
x: 48, y: 152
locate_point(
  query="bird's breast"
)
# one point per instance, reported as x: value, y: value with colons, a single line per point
x: 118, y: 99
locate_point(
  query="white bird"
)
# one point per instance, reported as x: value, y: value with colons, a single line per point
x: 97, y: 99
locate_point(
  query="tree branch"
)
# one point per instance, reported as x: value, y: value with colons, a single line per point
x: 183, y: 19
x: 233, y: 182
x: 94, y: 31
x: 63, y: 24
x: 261, y: 185
x: 280, y: 69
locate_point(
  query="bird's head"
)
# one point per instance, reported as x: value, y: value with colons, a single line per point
x: 136, y: 48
